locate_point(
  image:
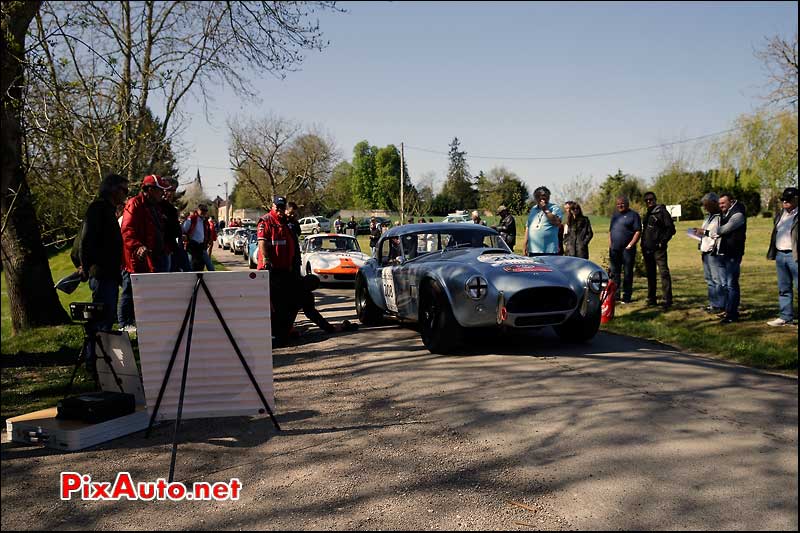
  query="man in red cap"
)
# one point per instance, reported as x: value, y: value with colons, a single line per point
x: 276, y: 251
x: 143, y: 243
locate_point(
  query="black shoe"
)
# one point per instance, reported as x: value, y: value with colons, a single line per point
x: 651, y: 303
x: 727, y: 320
x: 666, y: 305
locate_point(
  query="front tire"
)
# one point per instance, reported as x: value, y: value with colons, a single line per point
x: 315, y: 230
x: 440, y: 331
x: 368, y: 313
x: 578, y: 328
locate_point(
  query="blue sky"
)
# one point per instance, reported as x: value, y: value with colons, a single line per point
x: 515, y: 80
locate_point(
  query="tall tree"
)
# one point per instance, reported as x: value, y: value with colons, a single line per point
x: 364, y: 175
x: 118, y: 55
x: 29, y: 282
x: 272, y: 155
x: 502, y: 187
x: 761, y: 152
x: 619, y: 184
x: 386, y: 192
x: 338, y: 193
x: 779, y: 56
x: 459, y: 184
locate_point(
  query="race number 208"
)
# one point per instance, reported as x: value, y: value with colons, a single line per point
x: 81, y: 486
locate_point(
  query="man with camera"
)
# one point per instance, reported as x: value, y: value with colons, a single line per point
x: 100, y: 249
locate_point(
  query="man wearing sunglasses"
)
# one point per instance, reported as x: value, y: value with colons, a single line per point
x: 657, y: 230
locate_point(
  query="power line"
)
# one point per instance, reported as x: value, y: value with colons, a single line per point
x: 581, y: 156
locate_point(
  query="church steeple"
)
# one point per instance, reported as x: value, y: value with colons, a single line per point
x: 197, y: 179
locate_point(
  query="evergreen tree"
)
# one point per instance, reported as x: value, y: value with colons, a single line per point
x: 459, y: 185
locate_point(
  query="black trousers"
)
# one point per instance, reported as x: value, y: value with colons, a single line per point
x: 657, y: 259
x: 285, y: 294
x: 619, y: 261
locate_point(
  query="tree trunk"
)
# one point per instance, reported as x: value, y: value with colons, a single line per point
x: 29, y: 282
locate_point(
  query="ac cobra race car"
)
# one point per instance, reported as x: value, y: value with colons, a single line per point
x: 449, y: 277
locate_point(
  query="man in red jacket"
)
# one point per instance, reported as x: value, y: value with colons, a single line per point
x: 276, y: 251
x: 143, y: 244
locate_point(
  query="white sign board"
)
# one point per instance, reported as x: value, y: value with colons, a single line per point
x: 674, y: 210
x: 217, y: 384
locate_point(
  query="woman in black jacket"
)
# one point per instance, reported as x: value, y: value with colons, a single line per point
x: 577, y: 233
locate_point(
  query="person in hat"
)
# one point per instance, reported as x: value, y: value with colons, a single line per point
x: 783, y: 250
x: 143, y: 250
x: 507, y: 226
x: 100, y: 249
x: 544, y: 219
x: 276, y: 252
x: 198, y: 238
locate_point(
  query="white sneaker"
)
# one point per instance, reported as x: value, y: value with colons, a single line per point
x: 778, y: 322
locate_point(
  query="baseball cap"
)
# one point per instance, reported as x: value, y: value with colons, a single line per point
x: 501, y: 209
x: 153, y: 181
x: 279, y: 200
x: 789, y: 193
x: 167, y: 183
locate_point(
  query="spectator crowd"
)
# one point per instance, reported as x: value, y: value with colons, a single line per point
x: 121, y: 236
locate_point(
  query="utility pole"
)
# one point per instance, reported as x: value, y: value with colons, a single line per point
x: 227, y: 205
x: 402, y: 178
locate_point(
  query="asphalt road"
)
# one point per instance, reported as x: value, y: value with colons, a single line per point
x: 517, y: 432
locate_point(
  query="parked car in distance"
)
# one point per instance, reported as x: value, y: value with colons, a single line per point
x: 458, y: 216
x: 314, y: 224
x: 224, y: 237
x: 363, y: 224
x: 248, y: 249
x: 240, y: 240
x: 454, y: 277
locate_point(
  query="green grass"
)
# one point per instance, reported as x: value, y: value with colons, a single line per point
x: 37, y: 364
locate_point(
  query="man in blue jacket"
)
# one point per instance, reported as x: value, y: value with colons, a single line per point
x: 732, y: 233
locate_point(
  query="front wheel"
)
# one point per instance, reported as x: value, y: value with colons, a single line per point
x: 578, y: 328
x: 440, y: 331
x: 315, y: 230
x: 368, y: 313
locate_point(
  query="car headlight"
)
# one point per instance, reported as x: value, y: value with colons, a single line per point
x: 476, y: 287
x: 597, y: 281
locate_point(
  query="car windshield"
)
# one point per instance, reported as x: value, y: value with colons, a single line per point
x: 333, y: 244
x: 412, y: 245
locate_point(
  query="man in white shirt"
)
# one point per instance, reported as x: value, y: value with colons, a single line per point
x: 712, y: 267
x: 783, y: 249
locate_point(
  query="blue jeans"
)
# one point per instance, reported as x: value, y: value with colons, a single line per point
x: 787, y: 283
x: 713, y: 271
x: 126, y: 316
x: 105, y: 291
x: 622, y: 261
x: 730, y: 285
x: 208, y: 262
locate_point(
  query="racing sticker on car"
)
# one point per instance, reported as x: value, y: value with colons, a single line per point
x: 388, y: 289
x: 514, y: 263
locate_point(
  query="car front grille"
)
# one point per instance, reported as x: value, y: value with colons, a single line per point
x: 539, y: 320
x: 542, y: 300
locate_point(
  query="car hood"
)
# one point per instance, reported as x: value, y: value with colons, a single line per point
x: 507, y: 270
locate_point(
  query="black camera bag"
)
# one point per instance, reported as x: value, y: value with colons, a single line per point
x: 96, y: 407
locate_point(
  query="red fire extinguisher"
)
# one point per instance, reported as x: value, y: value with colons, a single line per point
x: 607, y: 298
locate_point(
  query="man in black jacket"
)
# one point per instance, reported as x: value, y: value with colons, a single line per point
x: 507, y: 226
x: 657, y: 230
x: 101, y: 247
x: 732, y: 232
